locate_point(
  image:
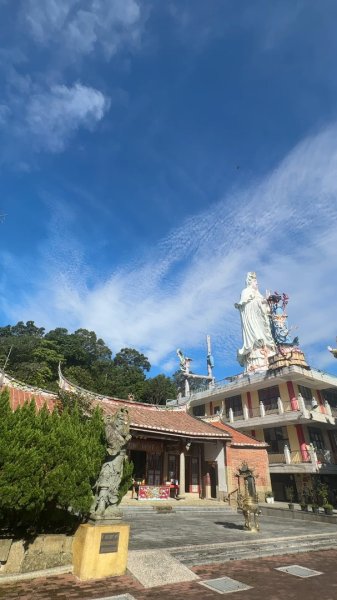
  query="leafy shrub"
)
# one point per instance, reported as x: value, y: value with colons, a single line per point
x: 48, y: 462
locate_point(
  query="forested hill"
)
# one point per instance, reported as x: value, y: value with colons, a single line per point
x: 32, y: 355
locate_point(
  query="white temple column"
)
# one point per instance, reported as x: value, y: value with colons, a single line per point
x: 231, y: 415
x: 182, y: 473
x: 262, y: 410
x: 245, y: 412
x: 222, y: 483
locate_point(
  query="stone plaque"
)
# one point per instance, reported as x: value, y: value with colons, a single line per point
x: 109, y: 543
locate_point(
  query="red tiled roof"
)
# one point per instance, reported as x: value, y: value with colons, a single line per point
x: 143, y: 416
x: 238, y: 438
x: 148, y: 417
x: 17, y: 397
x: 162, y: 420
x: 19, y: 393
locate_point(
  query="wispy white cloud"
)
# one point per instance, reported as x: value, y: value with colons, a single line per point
x: 284, y: 227
x: 38, y: 109
x: 53, y: 116
x: 4, y: 113
x: 82, y: 26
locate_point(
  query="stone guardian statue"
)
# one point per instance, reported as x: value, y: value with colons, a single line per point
x: 117, y: 431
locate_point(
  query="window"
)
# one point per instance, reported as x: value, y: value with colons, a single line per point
x: 305, y: 392
x: 330, y: 396
x: 235, y: 403
x: 316, y: 438
x: 154, y: 469
x: 199, y: 411
x: 276, y: 437
x: 172, y: 467
x: 269, y: 396
x: 217, y: 410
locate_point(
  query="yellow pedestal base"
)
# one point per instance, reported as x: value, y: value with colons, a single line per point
x: 100, y: 550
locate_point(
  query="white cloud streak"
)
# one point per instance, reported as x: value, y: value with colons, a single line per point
x: 283, y: 227
x: 38, y: 109
x: 52, y: 117
x: 81, y: 26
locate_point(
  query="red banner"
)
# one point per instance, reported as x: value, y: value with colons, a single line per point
x: 154, y: 492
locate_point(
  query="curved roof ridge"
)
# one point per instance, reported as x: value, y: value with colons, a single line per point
x: 16, y: 383
x: 65, y: 384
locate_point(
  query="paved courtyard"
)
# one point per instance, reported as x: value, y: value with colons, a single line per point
x: 260, y: 575
x: 151, y: 530
x: 206, y: 532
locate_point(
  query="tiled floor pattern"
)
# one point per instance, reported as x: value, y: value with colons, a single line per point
x: 225, y: 585
x: 299, y: 571
x: 262, y: 575
x: 119, y: 597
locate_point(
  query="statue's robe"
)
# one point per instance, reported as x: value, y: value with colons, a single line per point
x: 256, y: 330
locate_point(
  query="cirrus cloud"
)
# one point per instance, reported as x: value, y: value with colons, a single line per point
x: 283, y: 227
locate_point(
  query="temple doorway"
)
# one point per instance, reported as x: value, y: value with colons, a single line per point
x: 138, y: 457
x: 214, y: 479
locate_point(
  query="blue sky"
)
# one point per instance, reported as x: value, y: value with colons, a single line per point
x: 154, y: 152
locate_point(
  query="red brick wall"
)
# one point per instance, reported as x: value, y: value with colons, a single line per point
x: 256, y: 458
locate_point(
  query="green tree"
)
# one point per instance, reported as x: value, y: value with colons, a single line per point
x: 27, y: 329
x: 158, y: 389
x: 48, y: 462
x: 32, y: 356
x: 132, y: 359
x: 81, y: 376
x: 81, y: 348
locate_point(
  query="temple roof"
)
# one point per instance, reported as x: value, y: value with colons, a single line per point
x: 149, y: 417
x: 143, y: 417
x: 19, y: 393
x: 238, y: 438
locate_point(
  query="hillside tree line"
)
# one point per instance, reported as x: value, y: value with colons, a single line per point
x: 32, y: 355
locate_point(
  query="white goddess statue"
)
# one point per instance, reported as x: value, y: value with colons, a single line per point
x: 258, y: 342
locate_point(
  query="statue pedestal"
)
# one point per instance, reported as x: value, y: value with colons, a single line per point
x: 100, y: 550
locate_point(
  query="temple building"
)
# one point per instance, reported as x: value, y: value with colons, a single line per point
x: 277, y: 399
x: 169, y: 444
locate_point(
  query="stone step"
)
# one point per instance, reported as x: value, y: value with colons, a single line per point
x: 198, y: 555
x: 179, y: 508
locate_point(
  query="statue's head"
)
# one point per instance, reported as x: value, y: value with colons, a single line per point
x: 251, y: 279
x: 122, y: 416
x: 119, y: 419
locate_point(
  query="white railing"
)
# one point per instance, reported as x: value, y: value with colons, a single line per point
x: 278, y: 407
x: 310, y: 455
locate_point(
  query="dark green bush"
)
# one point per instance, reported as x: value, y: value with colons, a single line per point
x: 48, y: 463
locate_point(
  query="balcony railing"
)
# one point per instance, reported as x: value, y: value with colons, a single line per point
x: 317, y: 458
x: 276, y: 458
x: 333, y: 411
x: 297, y: 458
x: 278, y: 407
x: 236, y: 415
